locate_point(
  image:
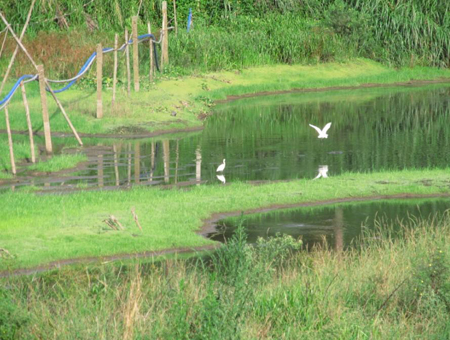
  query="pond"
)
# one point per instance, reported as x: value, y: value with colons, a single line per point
x: 268, y: 138
x: 337, y: 226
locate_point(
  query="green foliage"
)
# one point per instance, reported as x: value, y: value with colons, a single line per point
x: 12, y: 318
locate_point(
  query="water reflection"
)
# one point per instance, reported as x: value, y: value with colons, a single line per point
x: 268, y: 138
x: 221, y: 178
x: 337, y: 227
x: 323, y: 171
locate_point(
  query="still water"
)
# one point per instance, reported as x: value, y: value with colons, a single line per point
x: 268, y: 138
x: 338, y: 226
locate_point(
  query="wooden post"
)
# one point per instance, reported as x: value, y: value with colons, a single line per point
x: 152, y: 62
x: 30, y: 127
x: 127, y: 54
x: 116, y: 42
x: 135, y: 54
x: 129, y: 164
x: 10, y: 142
x: 165, y: 38
x: 137, y: 163
x: 175, y: 16
x: 99, y: 81
x: 45, y: 117
x: 176, y: 161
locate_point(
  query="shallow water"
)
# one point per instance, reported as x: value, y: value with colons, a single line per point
x: 268, y: 138
x: 337, y: 226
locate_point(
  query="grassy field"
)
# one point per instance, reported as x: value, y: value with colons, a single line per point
x: 39, y: 229
x: 388, y: 288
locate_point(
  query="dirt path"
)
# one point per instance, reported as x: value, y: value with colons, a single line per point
x: 208, y: 226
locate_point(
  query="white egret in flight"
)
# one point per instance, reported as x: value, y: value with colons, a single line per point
x: 323, y: 132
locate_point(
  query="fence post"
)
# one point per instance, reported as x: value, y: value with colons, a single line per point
x: 30, y: 127
x: 152, y: 71
x: 45, y: 118
x: 116, y: 42
x: 135, y: 54
x: 127, y: 55
x: 165, y: 38
x: 175, y: 16
x: 10, y: 142
x: 137, y: 163
x: 99, y: 81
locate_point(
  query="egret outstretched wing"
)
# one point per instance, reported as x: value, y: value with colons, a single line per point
x: 325, y: 129
x: 316, y: 128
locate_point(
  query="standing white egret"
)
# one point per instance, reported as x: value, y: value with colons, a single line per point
x: 221, y: 167
x: 323, y: 132
x: 323, y: 171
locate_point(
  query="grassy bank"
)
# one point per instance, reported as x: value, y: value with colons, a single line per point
x: 391, y: 288
x: 39, y: 229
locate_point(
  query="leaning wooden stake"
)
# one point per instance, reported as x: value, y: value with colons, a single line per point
x: 165, y: 38
x: 10, y: 142
x: 99, y: 81
x: 13, y: 57
x: 45, y: 117
x: 127, y: 55
x: 30, y: 127
x: 116, y: 42
x: 135, y: 217
x: 152, y: 62
x: 45, y: 80
x: 175, y: 16
x: 135, y: 54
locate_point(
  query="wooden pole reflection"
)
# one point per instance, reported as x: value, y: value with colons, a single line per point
x: 198, y: 166
x: 129, y: 165
x: 100, y: 170
x: 152, y: 162
x: 116, y: 165
x: 137, y: 162
x: 176, y: 162
x: 166, y: 153
x: 339, y: 228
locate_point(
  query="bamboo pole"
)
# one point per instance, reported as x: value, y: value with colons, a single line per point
x: 13, y: 57
x: 30, y: 127
x: 175, y: 16
x: 152, y: 62
x: 165, y: 38
x: 45, y: 80
x: 127, y: 55
x: 3, y: 43
x: 135, y: 54
x: 99, y: 81
x: 10, y: 142
x: 116, y: 42
x: 45, y: 117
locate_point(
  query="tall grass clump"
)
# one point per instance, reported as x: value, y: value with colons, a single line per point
x: 392, y: 286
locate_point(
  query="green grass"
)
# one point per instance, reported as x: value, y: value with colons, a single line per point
x: 40, y: 229
x: 59, y: 162
x: 390, y: 288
